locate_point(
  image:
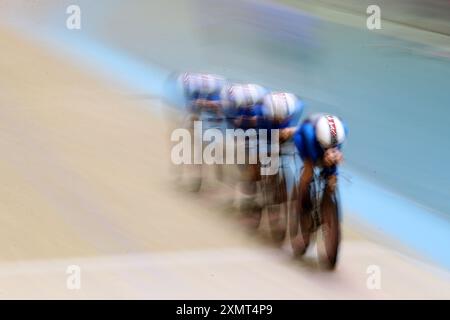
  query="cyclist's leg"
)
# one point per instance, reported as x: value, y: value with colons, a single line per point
x: 302, y: 201
x: 301, y: 138
x: 268, y: 181
x: 290, y: 165
x: 250, y: 174
x: 217, y: 123
x: 305, y: 181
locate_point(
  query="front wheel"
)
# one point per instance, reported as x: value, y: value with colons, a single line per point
x: 277, y: 208
x: 331, y: 232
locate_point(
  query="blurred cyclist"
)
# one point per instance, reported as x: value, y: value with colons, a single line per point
x: 202, y: 95
x: 319, y: 140
x: 242, y: 108
x: 243, y: 104
x: 282, y: 111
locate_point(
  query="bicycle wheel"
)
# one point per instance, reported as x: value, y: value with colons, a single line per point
x: 251, y: 214
x: 189, y: 176
x: 277, y: 208
x: 300, y: 224
x: 331, y: 232
x: 250, y: 207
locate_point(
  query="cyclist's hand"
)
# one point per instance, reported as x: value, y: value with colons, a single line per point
x: 338, y: 157
x: 253, y: 121
x: 238, y: 121
x: 213, y: 105
x: 332, y: 157
x: 250, y: 121
x: 202, y: 103
x: 286, y: 134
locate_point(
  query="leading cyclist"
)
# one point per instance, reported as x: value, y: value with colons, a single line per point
x: 319, y: 140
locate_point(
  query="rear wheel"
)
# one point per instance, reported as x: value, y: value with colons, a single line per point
x: 189, y: 176
x: 251, y: 213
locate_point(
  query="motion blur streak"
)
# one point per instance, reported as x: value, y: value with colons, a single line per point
x: 346, y: 70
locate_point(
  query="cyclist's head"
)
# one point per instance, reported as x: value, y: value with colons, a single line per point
x: 330, y: 131
x: 246, y: 95
x: 279, y: 106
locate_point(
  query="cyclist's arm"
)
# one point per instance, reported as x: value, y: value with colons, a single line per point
x: 251, y: 121
x: 309, y: 136
x: 305, y: 180
x: 247, y: 121
x: 208, y: 105
x: 286, y: 133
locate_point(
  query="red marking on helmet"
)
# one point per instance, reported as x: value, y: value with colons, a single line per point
x: 333, y: 130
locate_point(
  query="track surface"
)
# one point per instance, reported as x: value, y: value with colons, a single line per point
x: 86, y: 180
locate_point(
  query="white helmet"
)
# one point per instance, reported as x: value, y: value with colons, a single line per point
x: 330, y: 131
x: 201, y: 83
x: 280, y: 105
x: 246, y: 95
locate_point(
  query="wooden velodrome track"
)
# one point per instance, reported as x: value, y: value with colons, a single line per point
x: 85, y: 180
